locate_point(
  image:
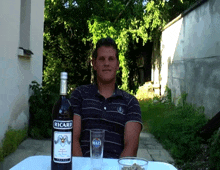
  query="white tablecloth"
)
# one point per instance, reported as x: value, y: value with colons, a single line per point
x: 81, y: 163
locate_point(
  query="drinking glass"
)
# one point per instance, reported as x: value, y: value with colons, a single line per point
x: 96, y: 148
x: 130, y: 163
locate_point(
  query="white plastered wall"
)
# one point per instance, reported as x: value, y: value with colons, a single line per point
x: 18, y: 72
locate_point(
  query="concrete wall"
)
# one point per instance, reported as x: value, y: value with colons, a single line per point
x: 190, y: 57
x: 21, y: 24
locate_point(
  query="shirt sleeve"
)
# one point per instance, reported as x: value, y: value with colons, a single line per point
x: 76, y: 102
x: 134, y: 112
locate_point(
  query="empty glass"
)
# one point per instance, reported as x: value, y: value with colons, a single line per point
x: 96, y: 148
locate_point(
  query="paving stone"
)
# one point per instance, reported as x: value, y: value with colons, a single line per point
x: 154, y: 146
x: 163, y: 158
x: 159, y: 158
x: 143, y: 153
x: 169, y: 158
x: 161, y: 155
x: 45, y: 148
x: 151, y: 149
x: 151, y: 142
x: 16, y: 157
x: 154, y: 151
x: 31, y: 144
x: 141, y: 146
x: 43, y: 153
x: 146, y: 135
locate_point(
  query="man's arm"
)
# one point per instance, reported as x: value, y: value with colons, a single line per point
x: 76, y: 136
x: 131, y: 139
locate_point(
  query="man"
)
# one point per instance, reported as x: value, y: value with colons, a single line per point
x: 104, y: 106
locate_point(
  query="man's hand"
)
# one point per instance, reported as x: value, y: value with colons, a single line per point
x: 131, y: 139
x: 76, y: 135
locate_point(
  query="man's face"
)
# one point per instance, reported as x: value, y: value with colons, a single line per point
x: 106, y: 64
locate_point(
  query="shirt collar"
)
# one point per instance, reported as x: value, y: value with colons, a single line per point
x: 116, y: 93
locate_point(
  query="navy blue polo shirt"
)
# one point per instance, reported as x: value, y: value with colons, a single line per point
x: 110, y: 114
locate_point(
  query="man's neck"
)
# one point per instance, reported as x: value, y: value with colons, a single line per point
x: 106, y: 90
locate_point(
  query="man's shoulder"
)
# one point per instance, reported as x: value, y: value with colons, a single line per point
x: 126, y: 95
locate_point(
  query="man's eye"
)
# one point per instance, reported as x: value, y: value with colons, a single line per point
x: 102, y: 58
x: 111, y: 58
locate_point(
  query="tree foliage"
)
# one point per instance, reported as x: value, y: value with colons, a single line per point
x: 137, y: 23
x: 72, y: 26
x: 64, y: 49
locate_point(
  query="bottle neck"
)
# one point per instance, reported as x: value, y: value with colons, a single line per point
x: 63, y: 87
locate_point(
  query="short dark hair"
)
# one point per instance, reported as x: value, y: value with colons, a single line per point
x: 108, y: 42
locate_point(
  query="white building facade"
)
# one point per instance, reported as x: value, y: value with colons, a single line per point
x: 21, y: 25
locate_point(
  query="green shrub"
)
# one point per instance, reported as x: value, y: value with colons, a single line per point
x: 11, y: 141
x: 175, y: 127
x: 41, y: 105
x: 168, y: 91
x: 214, y: 154
x: 1, y: 155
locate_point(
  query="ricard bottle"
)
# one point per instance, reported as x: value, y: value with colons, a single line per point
x: 61, y: 153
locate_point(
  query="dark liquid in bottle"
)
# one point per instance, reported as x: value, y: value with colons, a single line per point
x: 62, y: 131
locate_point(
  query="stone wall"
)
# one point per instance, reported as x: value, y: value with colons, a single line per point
x: 190, y: 56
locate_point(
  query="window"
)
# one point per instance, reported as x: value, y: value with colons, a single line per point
x: 25, y: 20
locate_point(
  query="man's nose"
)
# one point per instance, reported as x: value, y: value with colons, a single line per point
x: 106, y: 62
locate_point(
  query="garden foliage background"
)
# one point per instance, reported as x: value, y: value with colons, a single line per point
x: 71, y: 29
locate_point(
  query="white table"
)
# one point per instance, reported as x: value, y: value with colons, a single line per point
x: 81, y: 163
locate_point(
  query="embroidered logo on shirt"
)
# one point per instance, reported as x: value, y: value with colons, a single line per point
x: 120, y: 110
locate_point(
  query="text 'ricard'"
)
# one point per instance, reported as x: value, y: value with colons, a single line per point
x: 59, y: 124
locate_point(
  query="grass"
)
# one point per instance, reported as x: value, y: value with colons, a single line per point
x: 152, y: 113
x: 176, y: 127
x: 11, y: 141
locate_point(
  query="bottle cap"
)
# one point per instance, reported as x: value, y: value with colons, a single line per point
x: 63, y: 75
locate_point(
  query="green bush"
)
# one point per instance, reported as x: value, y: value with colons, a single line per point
x: 11, y: 141
x: 175, y: 127
x: 1, y: 155
x: 41, y: 105
x: 168, y: 91
x: 214, y: 154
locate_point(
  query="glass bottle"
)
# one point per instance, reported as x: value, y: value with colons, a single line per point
x: 61, y: 149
